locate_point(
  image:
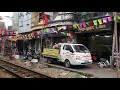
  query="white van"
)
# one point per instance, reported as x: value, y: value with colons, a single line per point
x: 70, y: 54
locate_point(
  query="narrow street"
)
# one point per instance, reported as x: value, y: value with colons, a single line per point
x: 99, y: 72
x: 90, y: 69
x: 77, y: 39
x: 95, y: 70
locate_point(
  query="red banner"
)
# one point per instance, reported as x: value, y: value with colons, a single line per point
x: 5, y: 31
x: 45, y: 19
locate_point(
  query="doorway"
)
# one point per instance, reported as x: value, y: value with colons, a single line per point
x: 99, y: 44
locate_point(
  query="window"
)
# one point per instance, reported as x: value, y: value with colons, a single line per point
x: 68, y: 47
x: 101, y: 13
x: 40, y: 16
x: 21, y: 16
x: 80, y: 48
x: 27, y: 13
x: 95, y: 14
x: 28, y: 17
x: 21, y: 21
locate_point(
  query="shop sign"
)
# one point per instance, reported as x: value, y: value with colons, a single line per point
x: 106, y: 26
x: 60, y: 23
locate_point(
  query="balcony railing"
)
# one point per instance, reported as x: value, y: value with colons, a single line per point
x: 81, y: 16
x: 65, y: 16
x: 67, y: 19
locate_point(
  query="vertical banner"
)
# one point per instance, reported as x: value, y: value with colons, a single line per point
x: 45, y: 18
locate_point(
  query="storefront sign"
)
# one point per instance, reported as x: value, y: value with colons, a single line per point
x: 60, y: 23
x: 50, y: 52
x: 106, y: 26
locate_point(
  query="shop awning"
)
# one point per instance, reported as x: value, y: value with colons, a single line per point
x: 14, y: 39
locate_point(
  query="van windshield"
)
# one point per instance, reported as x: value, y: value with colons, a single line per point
x: 80, y: 48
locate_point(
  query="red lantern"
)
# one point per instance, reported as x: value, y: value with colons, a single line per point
x: 45, y: 18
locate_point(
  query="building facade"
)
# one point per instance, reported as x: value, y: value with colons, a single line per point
x: 99, y: 37
x: 2, y: 25
x: 15, y: 23
x: 24, y: 22
x: 54, y: 19
x: 22, y: 25
x: 37, y: 25
x: 2, y: 40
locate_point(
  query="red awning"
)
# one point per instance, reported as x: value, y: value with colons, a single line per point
x: 15, y: 39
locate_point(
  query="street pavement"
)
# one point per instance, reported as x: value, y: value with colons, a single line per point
x: 95, y: 70
x: 99, y: 72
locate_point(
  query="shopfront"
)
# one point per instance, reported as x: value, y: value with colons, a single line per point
x: 97, y: 38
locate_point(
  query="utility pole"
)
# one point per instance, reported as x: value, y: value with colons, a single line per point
x: 18, y: 33
x: 116, y: 45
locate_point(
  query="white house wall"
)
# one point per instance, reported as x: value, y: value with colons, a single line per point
x: 63, y: 17
x: 15, y: 25
x: 24, y: 22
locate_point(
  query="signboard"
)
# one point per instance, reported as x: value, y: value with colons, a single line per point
x: 106, y: 26
x: 50, y: 52
x: 60, y: 23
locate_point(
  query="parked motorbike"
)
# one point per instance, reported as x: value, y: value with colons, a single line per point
x: 36, y: 55
x: 30, y: 55
x: 103, y: 63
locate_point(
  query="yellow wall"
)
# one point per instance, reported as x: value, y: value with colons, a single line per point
x: 35, y: 20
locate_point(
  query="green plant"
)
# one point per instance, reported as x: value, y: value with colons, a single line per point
x: 77, y: 76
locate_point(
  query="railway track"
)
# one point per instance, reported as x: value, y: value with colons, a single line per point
x: 70, y: 69
x: 19, y: 71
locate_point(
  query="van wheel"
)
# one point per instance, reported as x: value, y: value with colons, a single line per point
x: 67, y: 63
x: 49, y: 60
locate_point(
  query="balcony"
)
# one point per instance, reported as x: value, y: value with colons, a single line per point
x: 37, y: 25
x: 92, y: 15
x: 62, y: 19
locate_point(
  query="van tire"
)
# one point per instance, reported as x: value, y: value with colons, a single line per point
x: 67, y: 63
x: 49, y: 60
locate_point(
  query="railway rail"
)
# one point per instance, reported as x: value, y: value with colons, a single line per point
x: 68, y: 69
x: 19, y: 71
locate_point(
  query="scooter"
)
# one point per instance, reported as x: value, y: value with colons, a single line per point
x: 36, y: 55
x: 103, y: 63
x: 28, y: 56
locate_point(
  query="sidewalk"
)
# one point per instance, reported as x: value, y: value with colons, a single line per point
x: 99, y: 72
x: 95, y: 70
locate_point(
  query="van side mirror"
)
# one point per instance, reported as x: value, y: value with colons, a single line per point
x: 71, y: 51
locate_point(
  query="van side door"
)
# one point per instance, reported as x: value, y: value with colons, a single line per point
x: 66, y: 52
